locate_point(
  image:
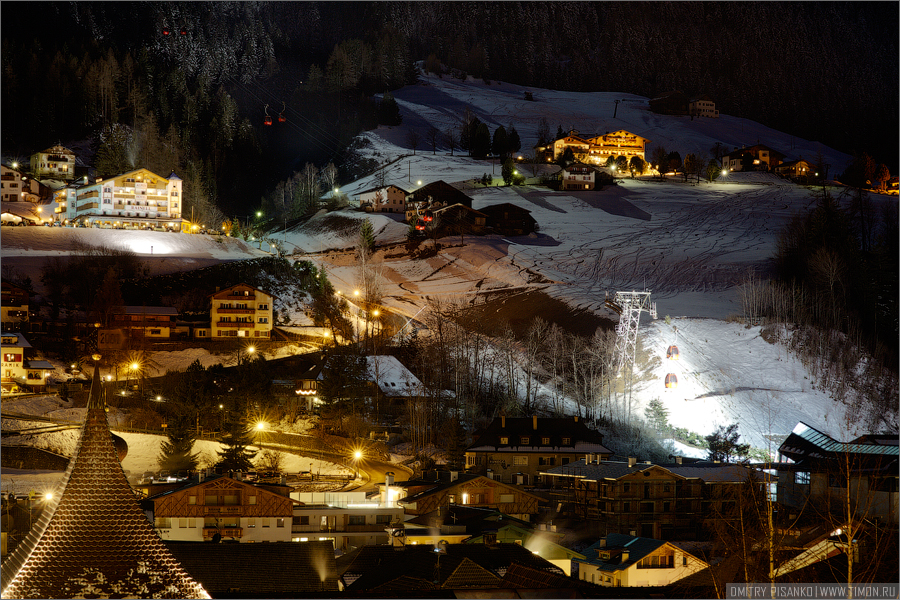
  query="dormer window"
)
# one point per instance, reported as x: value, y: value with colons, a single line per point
x: 504, y: 441
x: 545, y: 441
x: 566, y: 441
x: 526, y: 441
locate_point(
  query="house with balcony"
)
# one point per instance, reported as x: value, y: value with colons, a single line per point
x: 596, y: 149
x: 667, y: 502
x: 57, y: 162
x: 349, y: 519
x: 578, y: 176
x: 139, y: 199
x: 430, y: 197
x: 817, y: 471
x: 16, y: 186
x: 387, y: 199
x: 703, y: 106
x: 144, y: 321
x: 758, y: 157
x: 509, y: 219
x: 14, y: 303
x: 18, y: 368
x: 222, y: 508
x: 421, y: 496
x: 627, y: 561
x: 520, y: 450
x: 239, y: 311
x: 798, y: 170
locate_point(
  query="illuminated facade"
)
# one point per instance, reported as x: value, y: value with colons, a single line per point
x: 241, y: 311
x: 138, y: 199
x: 598, y: 149
x: 57, y: 162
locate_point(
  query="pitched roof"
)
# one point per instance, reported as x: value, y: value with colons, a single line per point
x: 440, y: 191
x: 706, y: 471
x: 440, y: 486
x: 385, y: 568
x: 234, y: 569
x: 581, y: 437
x: 806, y: 443
x: 637, y: 547
x: 392, y: 378
x: 94, y: 538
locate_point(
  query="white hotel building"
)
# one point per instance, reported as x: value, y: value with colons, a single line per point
x: 138, y: 199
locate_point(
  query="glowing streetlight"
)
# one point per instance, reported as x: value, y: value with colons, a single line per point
x: 259, y: 214
x: 15, y: 165
x: 356, y: 456
x: 260, y: 426
x: 356, y: 293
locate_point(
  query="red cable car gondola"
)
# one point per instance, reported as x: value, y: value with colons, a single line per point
x: 183, y: 31
x: 267, y: 120
x: 281, y: 117
x: 671, y: 381
x: 428, y: 217
x: 420, y: 225
x: 165, y: 31
x: 672, y: 353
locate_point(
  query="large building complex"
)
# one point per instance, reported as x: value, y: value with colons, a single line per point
x: 138, y: 199
x: 598, y: 149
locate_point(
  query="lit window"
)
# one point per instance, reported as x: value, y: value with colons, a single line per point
x: 503, y: 441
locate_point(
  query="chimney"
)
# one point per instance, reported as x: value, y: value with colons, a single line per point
x: 502, y: 421
x: 678, y: 460
x: 490, y: 474
x: 631, y: 461
x: 454, y: 475
x: 624, y: 555
x: 603, y: 542
x: 389, y: 478
x: 576, y: 418
x: 534, y: 421
x: 284, y: 479
x: 490, y: 537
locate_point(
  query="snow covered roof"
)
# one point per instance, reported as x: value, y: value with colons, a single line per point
x: 392, y: 378
x: 92, y: 537
x: 15, y: 340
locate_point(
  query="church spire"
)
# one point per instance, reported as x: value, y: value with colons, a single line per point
x: 93, y: 539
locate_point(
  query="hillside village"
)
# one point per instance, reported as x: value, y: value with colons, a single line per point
x: 371, y: 383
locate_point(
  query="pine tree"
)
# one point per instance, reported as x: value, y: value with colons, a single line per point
x: 235, y: 455
x: 176, y: 454
x: 500, y: 142
x: 481, y: 143
x: 723, y: 444
x: 513, y: 144
x: 456, y: 446
x: 507, y: 171
x: 657, y: 415
x: 367, y: 235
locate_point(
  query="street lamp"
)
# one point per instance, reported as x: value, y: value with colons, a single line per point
x: 356, y: 456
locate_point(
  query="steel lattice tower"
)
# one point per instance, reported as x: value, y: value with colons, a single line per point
x: 629, y: 305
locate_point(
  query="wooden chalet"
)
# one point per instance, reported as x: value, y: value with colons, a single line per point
x: 509, y: 219
x: 419, y: 497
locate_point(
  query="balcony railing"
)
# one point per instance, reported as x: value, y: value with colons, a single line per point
x: 236, y: 532
x: 59, y: 209
x: 237, y: 311
x: 88, y: 206
x: 235, y: 324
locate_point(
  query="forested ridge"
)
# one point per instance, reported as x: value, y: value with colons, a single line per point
x: 193, y: 100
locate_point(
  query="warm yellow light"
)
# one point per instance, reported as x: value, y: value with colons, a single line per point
x: 220, y: 406
x: 48, y: 496
x: 375, y: 313
x: 356, y: 292
x: 260, y: 425
x: 251, y: 350
x: 357, y: 455
x: 135, y: 366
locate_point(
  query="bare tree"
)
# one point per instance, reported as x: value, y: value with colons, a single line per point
x: 433, y: 135
x: 329, y: 176
x: 413, y: 139
x: 451, y: 138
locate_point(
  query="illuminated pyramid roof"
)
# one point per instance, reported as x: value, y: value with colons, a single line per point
x: 93, y: 539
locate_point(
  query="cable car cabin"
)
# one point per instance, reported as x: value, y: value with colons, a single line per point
x: 267, y: 120
x: 671, y: 381
x: 281, y: 118
x: 428, y: 217
x: 165, y: 32
x: 672, y: 353
x: 420, y: 225
x: 183, y: 31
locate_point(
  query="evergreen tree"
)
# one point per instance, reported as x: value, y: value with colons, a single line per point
x: 657, y: 415
x: 637, y: 165
x: 456, y: 446
x: 723, y: 444
x: 481, y: 143
x: 514, y: 144
x: 543, y: 132
x: 622, y: 164
x: 367, y: 235
x: 176, y: 454
x: 713, y: 170
x: 235, y: 454
x: 508, y: 169
x: 566, y: 158
x: 500, y: 142
x: 559, y: 133
x: 389, y: 111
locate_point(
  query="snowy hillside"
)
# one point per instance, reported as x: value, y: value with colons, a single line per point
x: 691, y: 245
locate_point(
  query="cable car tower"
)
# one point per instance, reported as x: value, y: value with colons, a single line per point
x: 629, y: 306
